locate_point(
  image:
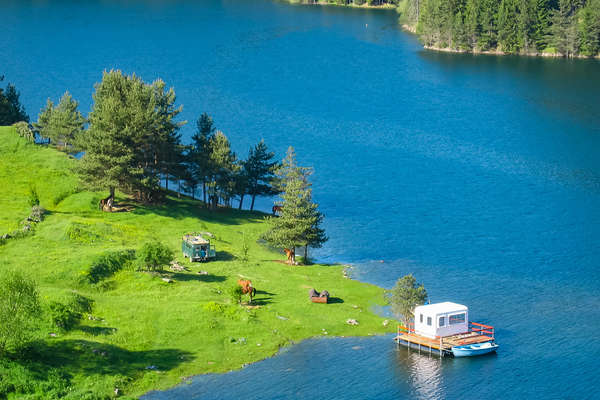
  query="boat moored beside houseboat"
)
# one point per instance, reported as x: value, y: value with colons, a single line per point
x: 442, y: 327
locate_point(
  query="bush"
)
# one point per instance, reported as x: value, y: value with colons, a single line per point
x: 106, y: 265
x: 67, y: 315
x: 63, y: 316
x: 24, y: 130
x: 81, y: 303
x: 214, y: 307
x: 236, y: 292
x: 19, y: 310
x: 32, y: 196
x: 153, y: 256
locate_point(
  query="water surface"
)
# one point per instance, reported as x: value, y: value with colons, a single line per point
x: 478, y: 174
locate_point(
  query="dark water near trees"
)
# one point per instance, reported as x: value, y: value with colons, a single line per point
x: 480, y: 175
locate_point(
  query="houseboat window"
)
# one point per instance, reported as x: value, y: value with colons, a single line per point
x: 457, y: 319
x: 421, y: 318
x: 429, y: 321
x: 442, y: 321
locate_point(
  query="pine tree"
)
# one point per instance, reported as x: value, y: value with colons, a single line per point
x: 62, y: 124
x: 589, y: 28
x: 564, y: 28
x: 259, y: 170
x: 472, y: 25
x: 507, y: 27
x: 43, y: 124
x: 131, y: 133
x: 223, y: 166
x: 541, y: 24
x: 488, y: 20
x: 11, y: 109
x: 199, y: 155
x: 299, y: 220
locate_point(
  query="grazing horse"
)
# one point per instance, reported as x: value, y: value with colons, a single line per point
x: 276, y: 209
x: 247, y: 288
x: 291, y: 255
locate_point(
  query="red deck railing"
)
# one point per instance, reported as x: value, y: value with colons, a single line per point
x: 484, y: 330
x: 475, y: 327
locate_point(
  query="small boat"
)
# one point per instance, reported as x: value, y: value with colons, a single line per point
x: 475, y: 349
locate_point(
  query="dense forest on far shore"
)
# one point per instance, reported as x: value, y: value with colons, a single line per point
x: 554, y: 27
x: 569, y: 28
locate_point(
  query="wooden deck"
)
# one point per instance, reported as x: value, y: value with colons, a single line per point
x: 442, y: 346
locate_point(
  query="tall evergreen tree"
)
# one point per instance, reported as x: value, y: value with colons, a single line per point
x: 11, y: 109
x: 62, y: 124
x: 589, y: 28
x: 299, y: 220
x: 199, y: 154
x: 223, y: 166
x: 564, y: 28
x: 259, y: 169
x: 131, y: 129
x: 508, y: 35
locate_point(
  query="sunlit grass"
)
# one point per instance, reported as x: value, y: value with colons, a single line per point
x: 142, y: 322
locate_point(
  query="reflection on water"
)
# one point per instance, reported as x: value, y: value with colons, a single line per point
x: 423, y: 370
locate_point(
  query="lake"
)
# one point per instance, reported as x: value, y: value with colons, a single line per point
x: 478, y: 174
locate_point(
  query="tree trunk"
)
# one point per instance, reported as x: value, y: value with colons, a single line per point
x: 167, y: 182
x: 241, y: 201
x: 252, y: 204
x: 178, y: 188
x: 306, y: 254
x: 204, y: 191
x: 294, y: 254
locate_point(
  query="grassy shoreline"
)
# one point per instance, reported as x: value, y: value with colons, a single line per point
x: 145, y: 334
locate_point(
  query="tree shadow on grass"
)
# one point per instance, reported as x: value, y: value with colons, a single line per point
x: 97, y: 330
x: 188, y: 208
x: 183, y: 277
x: 90, y: 358
x: 224, y: 256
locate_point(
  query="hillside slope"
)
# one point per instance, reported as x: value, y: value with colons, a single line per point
x: 145, y: 333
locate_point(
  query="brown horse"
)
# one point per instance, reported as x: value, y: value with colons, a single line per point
x: 276, y: 210
x: 291, y: 255
x: 247, y: 288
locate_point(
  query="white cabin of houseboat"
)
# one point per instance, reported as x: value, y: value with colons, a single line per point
x: 441, y: 319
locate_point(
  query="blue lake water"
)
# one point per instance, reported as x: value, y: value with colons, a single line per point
x: 478, y: 174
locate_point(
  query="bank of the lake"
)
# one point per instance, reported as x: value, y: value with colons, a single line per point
x: 144, y: 333
x: 452, y: 43
x: 352, y: 4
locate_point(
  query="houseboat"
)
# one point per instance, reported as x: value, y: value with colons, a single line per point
x: 444, y: 329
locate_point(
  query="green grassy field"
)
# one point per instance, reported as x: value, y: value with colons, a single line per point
x: 141, y: 321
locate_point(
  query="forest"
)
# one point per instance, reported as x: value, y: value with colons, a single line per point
x: 567, y: 28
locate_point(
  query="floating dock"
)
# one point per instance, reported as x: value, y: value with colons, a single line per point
x: 442, y: 346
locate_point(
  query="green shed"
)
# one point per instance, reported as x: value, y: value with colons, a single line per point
x: 197, y: 248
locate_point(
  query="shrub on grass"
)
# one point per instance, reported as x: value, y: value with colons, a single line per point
x: 153, y: 256
x: 236, y: 292
x: 66, y: 316
x: 106, y: 265
x: 24, y: 130
x: 81, y: 303
x: 19, y: 310
x: 63, y: 316
x: 33, y: 196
